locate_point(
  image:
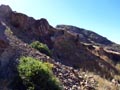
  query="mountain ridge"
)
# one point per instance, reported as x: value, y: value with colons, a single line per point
x: 85, y: 33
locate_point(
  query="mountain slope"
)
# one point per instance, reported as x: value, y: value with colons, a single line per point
x: 73, y: 49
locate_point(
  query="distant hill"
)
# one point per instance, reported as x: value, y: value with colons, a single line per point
x: 86, y: 35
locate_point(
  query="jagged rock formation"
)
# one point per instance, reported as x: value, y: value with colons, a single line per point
x: 73, y: 49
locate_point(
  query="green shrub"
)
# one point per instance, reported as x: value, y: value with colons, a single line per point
x: 43, y: 48
x: 36, y: 75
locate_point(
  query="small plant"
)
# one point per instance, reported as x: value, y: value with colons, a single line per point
x: 43, y: 48
x: 36, y: 75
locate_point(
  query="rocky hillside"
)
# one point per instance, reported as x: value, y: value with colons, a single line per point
x: 86, y: 35
x: 90, y: 37
x: 82, y: 59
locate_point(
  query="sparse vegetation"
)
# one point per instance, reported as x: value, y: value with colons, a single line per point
x: 43, y: 48
x: 36, y: 75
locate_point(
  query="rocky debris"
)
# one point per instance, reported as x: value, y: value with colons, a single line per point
x: 73, y: 79
x: 67, y: 77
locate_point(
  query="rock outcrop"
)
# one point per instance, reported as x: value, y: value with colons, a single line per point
x: 5, y: 11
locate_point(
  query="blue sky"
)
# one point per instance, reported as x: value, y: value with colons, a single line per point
x: 100, y: 16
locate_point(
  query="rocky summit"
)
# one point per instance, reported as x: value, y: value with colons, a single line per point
x: 81, y: 59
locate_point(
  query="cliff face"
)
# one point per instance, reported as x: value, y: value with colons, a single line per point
x: 71, y: 46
